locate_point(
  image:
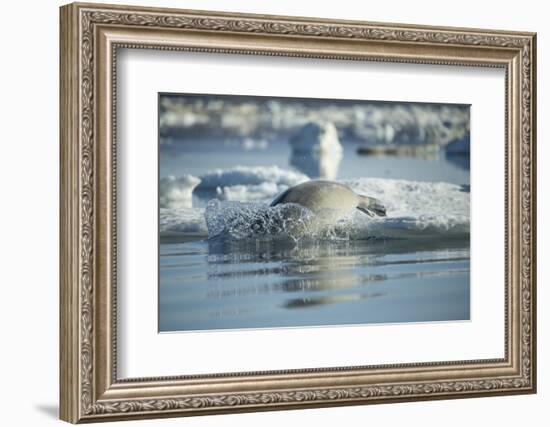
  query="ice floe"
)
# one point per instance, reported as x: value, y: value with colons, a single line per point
x: 414, y: 210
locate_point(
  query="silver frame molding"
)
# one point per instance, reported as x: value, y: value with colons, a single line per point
x: 90, y: 37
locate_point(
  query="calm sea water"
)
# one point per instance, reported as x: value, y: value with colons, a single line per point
x: 216, y: 284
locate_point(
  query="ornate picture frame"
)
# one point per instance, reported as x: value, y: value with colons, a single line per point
x: 90, y: 37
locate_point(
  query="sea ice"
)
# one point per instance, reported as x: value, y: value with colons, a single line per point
x: 249, y: 183
x: 177, y: 192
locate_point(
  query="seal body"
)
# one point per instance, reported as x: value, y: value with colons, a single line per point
x: 329, y: 196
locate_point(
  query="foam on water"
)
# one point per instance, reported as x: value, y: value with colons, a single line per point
x: 414, y: 209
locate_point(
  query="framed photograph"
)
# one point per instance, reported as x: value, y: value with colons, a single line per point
x: 267, y: 212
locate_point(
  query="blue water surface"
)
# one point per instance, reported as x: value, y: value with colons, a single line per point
x: 218, y: 284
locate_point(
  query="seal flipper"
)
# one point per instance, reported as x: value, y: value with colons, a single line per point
x: 371, y: 206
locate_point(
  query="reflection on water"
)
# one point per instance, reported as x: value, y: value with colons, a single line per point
x: 317, y: 164
x: 222, y: 284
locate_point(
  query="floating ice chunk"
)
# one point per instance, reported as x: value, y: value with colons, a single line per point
x: 261, y: 191
x: 177, y: 192
x: 249, y: 183
x: 316, y: 150
x: 316, y: 137
x: 247, y: 175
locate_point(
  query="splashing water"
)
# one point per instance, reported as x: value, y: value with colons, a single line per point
x: 235, y: 220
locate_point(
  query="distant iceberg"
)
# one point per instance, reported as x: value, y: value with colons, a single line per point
x: 316, y: 150
x: 316, y: 136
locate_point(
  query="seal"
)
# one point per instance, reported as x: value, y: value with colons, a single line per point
x: 319, y: 196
